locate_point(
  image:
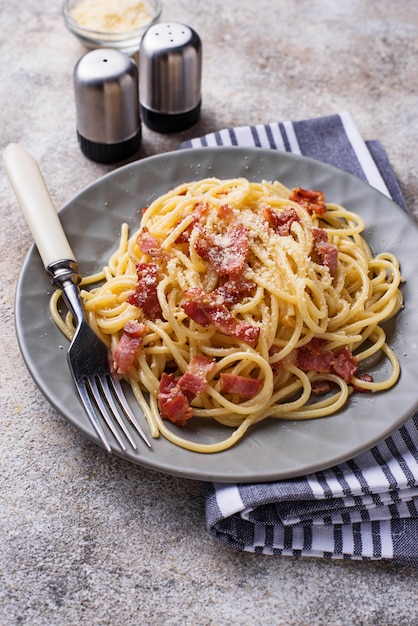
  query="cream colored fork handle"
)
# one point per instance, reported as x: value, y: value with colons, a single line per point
x: 36, y: 204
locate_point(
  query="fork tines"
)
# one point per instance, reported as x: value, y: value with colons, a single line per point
x: 104, y: 392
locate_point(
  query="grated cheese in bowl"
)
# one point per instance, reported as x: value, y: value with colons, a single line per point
x: 106, y: 23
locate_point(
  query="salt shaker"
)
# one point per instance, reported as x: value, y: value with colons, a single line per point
x: 170, y: 68
x: 107, y: 105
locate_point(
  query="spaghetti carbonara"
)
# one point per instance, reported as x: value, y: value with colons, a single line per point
x: 236, y: 301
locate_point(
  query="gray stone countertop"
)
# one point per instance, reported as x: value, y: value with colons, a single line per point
x: 88, y: 538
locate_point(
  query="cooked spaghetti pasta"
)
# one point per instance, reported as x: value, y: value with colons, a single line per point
x: 236, y: 301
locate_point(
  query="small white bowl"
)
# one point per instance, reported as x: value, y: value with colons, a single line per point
x: 127, y: 41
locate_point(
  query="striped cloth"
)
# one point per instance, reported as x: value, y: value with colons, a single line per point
x: 366, y: 508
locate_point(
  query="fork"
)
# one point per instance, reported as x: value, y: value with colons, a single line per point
x: 88, y: 357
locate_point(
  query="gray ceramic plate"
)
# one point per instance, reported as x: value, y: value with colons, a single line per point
x: 273, y: 450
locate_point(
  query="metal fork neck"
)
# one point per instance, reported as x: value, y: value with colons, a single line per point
x: 65, y: 276
x: 62, y: 271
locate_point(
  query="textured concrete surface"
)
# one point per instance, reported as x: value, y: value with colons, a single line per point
x: 89, y: 539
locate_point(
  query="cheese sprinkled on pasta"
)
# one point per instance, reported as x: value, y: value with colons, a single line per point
x: 236, y: 301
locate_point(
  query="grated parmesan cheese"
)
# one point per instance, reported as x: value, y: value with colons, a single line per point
x: 107, y: 15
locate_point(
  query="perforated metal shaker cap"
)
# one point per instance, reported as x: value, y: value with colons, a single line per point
x: 170, y: 70
x: 107, y: 105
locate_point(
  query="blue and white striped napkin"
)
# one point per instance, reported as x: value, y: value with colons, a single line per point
x: 366, y: 508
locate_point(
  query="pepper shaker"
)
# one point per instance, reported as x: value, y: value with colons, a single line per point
x: 170, y: 68
x: 107, y: 105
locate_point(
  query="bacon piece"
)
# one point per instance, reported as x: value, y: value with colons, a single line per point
x: 127, y: 348
x: 172, y: 401
x: 232, y: 291
x: 325, y: 253
x: 313, y: 357
x: 194, y: 378
x: 240, y: 385
x: 247, y: 332
x: 289, y: 359
x: 328, y: 253
x: 206, y: 309
x: 312, y: 200
x: 148, y: 244
x: 175, y: 394
x: 345, y: 364
x: 316, y: 345
x: 226, y: 254
x: 197, y: 311
x: 184, y: 236
x: 281, y: 222
x: 311, y: 361
x: 319, y: 235
x: 226, y: 213
x: 145, y: 296
x: 320, y: 387
x: 199, y: 210
x: 366, y: 377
